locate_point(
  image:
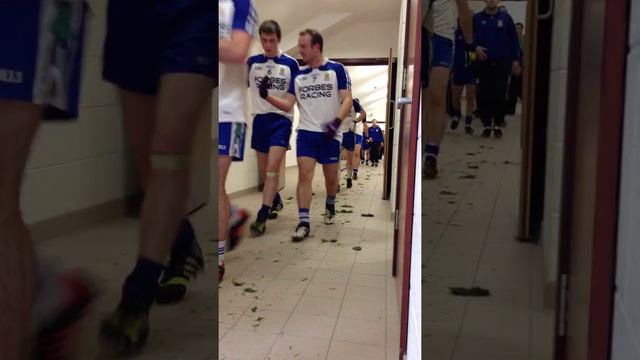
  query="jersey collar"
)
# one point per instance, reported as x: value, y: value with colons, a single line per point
x: 280, y: 52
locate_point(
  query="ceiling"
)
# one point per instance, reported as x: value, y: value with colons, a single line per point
x: 324, y: 15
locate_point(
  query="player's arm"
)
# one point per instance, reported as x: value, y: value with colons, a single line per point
x: 284, y: 103
x: 466, y: 20
x: 235, y: 50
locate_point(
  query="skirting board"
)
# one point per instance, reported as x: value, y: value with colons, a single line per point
x: 77, y: 220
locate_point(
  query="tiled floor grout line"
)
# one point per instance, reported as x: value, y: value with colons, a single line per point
x: 475, y: 275
x: 341, y: 226
x: 349, y: 281
x: 323, y: 259
x: 453, y: 214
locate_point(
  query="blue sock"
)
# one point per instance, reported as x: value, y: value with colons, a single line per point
x: 139, y: 289
x: 277, y: 199
x: 263, y: 213
x: 331, y: 203
x: 303, y: 214
x: 433, y: 150
x: 183, y: 243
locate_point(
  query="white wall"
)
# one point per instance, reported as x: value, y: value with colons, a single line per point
x: 361, y: 40
x: 80, y: 164
x: 626, y: 332
x: 555, y: 138
x: 414, y: 334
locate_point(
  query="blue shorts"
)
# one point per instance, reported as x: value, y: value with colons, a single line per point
x: 318, y: 146
x: 463, y: 76
x: 149, y: 38
x: 349, y: 140
x: 358, y: 139
x: 270, y: 130
x: 442, y: 52
x: 40, y: 56
x: 231, y: 140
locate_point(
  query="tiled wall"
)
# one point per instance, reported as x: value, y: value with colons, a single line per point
x: 626, y: 337
x: 555, y: 137
x: 79, y: 164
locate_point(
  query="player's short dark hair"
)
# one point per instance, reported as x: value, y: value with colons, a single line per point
x: 270, y: 27
x: 316, y: 38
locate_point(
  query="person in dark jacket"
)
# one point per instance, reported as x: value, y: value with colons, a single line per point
x: 498, y: 55
x: 377, y: 141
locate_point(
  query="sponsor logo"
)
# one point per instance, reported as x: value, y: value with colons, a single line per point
x: 276, y: 82
x: 11, y: 76
x: 315, y: 91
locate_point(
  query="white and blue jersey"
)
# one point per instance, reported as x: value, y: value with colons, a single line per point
x: 281, y: 70
x: 234, y: 15
x: 354, y: 125
x: 42, y: 43
x: 317, y: 91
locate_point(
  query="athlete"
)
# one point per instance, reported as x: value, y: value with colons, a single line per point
x: 438, y: 37
x: 377, y: 141
x: 237, y: 28
x: 39, y: 76
x: 351, y: 143
x: 322, y: 90
x: 366, y: 141
x: 161, y: 58
x: 271, y: 127
x: 462, y: 79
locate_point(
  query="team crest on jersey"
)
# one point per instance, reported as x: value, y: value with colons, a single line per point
x: 500, y: 23
x: 326, y: 77
x: 281, y: 72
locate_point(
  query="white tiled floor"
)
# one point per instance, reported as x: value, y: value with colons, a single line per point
x: 316, y: 299
x: 469, y: 232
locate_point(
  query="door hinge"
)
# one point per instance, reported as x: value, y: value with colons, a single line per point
x: 562, y: 314
x: 397, y: 220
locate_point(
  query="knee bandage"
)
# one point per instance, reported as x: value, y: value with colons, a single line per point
x: 272, y: 174
x: 170, y: 162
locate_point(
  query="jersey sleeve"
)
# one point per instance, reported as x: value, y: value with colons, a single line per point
x: 249, y: 65
x: 514, y: 44
x: 245, y: 17
x: 344, y: 82
x: 356, y: 106
x: 292, y: 83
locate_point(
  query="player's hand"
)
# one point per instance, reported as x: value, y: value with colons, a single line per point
x: 481, y: 54
x: 332, y: 128
x: 516, y: 69
x: 264, y: 87
x: 470, y: 55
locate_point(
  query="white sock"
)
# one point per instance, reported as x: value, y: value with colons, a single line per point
x: 221, y: 246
